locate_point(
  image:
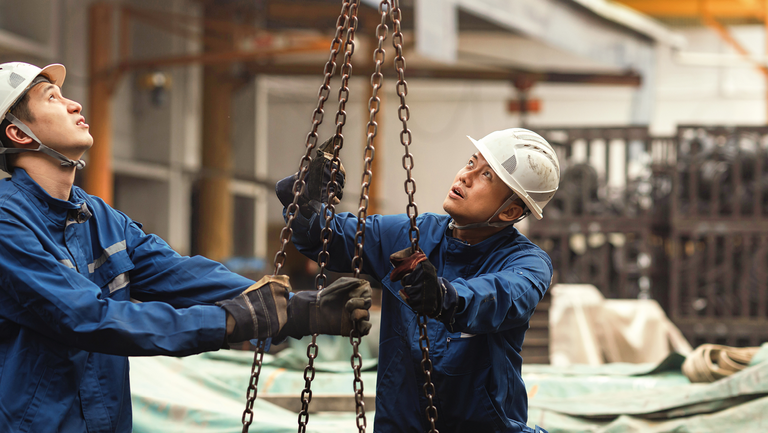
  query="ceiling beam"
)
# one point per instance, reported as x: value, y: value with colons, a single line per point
x: 695, y: 8
x: 623, y: 79
x: 314, y: 15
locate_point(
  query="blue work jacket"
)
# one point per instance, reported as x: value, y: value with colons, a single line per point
x: 476, y: 359
x: 81, y: 288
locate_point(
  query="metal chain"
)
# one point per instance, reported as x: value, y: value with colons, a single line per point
x: 306, y: 393
x: 374, y: 104
x: 404, y: 113
x: 286, y: 233
x: 338, y: 143
x: 357, y: 384
x: 330, y: 209
x: 258, y: 356
x: 341, y: 117
x: 372, y: 130
x: 426, y: 367
x: 317, y: 119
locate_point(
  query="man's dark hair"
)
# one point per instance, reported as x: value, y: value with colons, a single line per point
x: 21, y: 108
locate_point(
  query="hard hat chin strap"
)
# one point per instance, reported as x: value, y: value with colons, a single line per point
x: 66, y: 162
x: 487, y: 223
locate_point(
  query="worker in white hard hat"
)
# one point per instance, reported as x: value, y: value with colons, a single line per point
x: 82, y: 287
x: 476, y: 277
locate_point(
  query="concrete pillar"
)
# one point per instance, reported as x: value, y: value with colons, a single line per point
x: 215, y: 208
x: 98, y: 178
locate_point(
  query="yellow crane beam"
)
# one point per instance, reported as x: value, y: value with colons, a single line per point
x: 695, y: 8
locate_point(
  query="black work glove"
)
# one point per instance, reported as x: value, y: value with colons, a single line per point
x: 335, y: 310
x: 421, y: 290
x: 260, y: 311
x: 315, y: 192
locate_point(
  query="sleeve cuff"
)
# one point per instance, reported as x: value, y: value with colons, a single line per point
x: 452, y: 303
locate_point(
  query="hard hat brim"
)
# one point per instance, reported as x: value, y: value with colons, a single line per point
x: 56, y: 73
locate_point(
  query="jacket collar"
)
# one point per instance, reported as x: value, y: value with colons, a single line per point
x: 23, y: 181
x: 505, y: 236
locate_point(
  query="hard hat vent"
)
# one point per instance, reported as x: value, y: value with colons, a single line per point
x: 15, y: 79
x: 510, y: 164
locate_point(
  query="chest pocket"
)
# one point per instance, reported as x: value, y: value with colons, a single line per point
x: 110, y: 271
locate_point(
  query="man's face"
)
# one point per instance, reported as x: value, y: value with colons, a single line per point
x: 477, y: 192
x: 57, y: 121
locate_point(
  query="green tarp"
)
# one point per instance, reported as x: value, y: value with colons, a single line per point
x: 623, y: 398
x: 206, y: 393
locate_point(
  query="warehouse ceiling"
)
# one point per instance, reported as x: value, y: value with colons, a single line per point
x: 487, y: 47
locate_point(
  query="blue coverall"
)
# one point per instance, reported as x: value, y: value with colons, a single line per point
x: 476, y: 354
x: 81, y: 288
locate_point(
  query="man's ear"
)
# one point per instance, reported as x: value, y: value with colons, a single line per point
x: 18, y: 137
x: 511, y: 213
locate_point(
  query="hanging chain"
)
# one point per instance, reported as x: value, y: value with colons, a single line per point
x: 317, y: 119
x: 372, y: 130
x: 357, y: 261
x: 338, y: 143
x: 306, y: 393
x: 341, y: 117
x: 404, y: 113
x: 298, y: 186
x: 357, y: 383
x: 330, y: 209
x: 426, y: 367
x: 258, y: 356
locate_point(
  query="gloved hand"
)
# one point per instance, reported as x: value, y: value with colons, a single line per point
x: 423, y: 290
x: 260, y: 311
x: 335, y: 310
x: 315, y: 192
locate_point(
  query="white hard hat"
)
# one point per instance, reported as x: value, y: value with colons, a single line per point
x: 15, y: 80
x: 525, y: 162
x: 16, y: 77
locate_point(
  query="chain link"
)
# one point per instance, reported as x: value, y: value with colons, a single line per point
x: 357, y: 261
x: 341, y: 116
x: 338, y: 142
x: 330, y: 209
x: 342, y: 23
x: 357, y: 384
x: 426, y: 367
x: 258, y: 356
x: 372, y: 129
x: 306, y: 393
x: 404, y: 113
x: 311, y: 142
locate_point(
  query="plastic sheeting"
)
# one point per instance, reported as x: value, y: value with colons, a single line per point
x: 586, y: 328
x: 206, y: 394
x: 627, y: 398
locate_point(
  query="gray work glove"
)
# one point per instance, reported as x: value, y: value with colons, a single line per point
x: 315, y: 192
x: 335, y: 310
x: 260, y: 311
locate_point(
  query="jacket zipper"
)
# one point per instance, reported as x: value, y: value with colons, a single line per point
x: 66, y: 244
